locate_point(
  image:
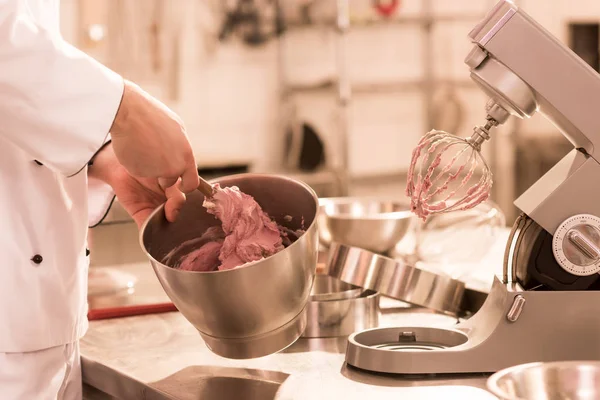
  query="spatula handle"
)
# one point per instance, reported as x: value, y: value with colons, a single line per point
x: 205, y: 188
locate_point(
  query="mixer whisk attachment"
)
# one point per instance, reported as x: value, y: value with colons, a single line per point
x: 448, y: 173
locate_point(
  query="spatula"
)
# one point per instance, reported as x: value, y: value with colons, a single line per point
x: 206, y: 188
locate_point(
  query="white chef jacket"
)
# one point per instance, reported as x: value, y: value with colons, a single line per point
x: 56, y: 109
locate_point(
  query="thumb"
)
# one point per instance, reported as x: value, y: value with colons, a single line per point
x: 189, y: 179
x: 174, y: 203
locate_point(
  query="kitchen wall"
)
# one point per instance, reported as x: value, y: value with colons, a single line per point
x: 229, y: 94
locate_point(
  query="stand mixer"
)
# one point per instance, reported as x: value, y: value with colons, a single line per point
x: 545, y: 306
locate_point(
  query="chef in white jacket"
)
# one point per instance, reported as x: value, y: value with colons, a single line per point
x: 59, y: 172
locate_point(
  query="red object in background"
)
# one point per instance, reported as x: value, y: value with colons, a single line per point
x: 386, y: 8
x: 130, y: 311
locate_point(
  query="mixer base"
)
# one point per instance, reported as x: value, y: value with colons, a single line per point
x: 513, y: 327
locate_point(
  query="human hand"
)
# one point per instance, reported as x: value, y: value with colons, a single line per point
x: 149, y: 140
x: 138, y: 196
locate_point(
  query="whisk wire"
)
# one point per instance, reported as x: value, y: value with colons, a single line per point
x: 429, y: 182
x: 446, y: 170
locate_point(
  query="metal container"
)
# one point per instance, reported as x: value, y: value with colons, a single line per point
x: 336, y: 309
x: 255, y: 310
x: 561, y: 380
x: 328, y: 288
x: 395, y: 279
x: 368, y: 223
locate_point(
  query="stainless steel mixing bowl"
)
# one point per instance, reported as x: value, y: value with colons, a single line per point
x: 368, y: 223
x: 255, y: 310
x: 560, y: 380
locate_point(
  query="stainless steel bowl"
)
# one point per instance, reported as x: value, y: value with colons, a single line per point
x: 336, y: 308
x: 252, y: 311
x: 327, y: 288
x: 561, y: 380
x: 368, y: 223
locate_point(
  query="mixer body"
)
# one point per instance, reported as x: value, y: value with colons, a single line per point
x: 546, y: 304
x: 524, y: 70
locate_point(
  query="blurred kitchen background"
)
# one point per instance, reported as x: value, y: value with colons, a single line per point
x: 335, y: 93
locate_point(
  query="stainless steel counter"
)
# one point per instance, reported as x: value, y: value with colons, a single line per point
x: 162, y: 356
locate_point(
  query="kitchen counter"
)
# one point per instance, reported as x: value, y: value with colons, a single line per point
x: 162, y: 356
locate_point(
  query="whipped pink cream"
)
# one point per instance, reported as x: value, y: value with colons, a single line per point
x: 426, y: 191
x: 247, y: 234
x: 250, y: 234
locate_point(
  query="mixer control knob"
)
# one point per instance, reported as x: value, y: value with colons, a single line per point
x: 576, y: 245
x: 586, y: 246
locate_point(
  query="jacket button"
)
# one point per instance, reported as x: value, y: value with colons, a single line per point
x: 87, y: 252
x: 37, y: 259
x: 37, y: 162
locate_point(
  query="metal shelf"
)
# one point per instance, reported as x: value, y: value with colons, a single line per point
x: 376, y: 87
x: 368, y: 23
x: 324, y: 176
x: 344, y: 89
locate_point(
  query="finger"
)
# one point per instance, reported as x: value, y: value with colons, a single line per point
x: 165, y: 183
x: 175, y: 201
x: 189, y: 179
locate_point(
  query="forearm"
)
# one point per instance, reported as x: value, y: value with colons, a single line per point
x: 101, y: 177
x: 104, y: 163
x: 104, y: 166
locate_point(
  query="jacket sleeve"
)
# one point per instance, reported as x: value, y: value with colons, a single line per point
x: 56, y: 102
x: 100, y: 200
x: 101, y: 197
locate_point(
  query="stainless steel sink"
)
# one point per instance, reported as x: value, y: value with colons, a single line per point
x: 217, y: 383
x: 196, y: 382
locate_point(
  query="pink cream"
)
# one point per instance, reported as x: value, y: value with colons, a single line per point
x: 250, y: 234
x: 246, y: 235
